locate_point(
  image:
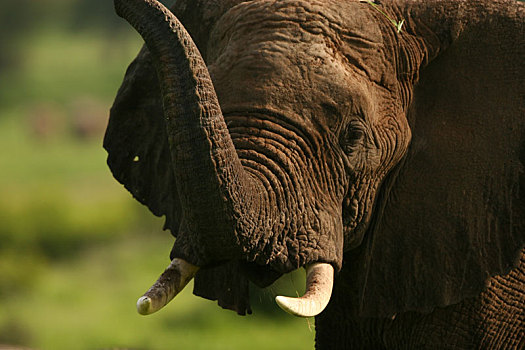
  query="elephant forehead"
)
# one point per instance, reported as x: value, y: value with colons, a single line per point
x: 270, y: 35
x: 268, y: 75
x: 294, y: 22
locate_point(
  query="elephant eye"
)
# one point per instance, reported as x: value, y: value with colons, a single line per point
x: 352, y: 138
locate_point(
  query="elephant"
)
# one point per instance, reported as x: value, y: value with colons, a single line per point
x: 378, y: 145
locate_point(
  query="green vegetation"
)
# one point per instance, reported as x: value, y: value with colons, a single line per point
x: 76, y: 250
x: 88, y: 303
x: 396, y: 24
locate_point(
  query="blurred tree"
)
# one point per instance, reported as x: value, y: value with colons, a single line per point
x: 98, y: 13
x: 19, y: 18
x: 16, y: 19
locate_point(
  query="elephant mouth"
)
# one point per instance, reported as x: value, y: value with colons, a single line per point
x: 261, y: 276
x: 318, y: 289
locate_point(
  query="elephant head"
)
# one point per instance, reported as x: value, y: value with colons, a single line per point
x: 275, y: 135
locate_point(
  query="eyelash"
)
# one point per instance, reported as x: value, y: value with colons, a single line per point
x: 352, y: 137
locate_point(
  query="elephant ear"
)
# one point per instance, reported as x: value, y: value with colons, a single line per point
x: 453, y: 213
x: 137, y: 142
x: 138, y: 152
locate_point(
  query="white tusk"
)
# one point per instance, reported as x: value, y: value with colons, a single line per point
x: 319, y: 283
x: 169, y: 284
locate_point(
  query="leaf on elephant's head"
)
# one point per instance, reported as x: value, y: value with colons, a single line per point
x: 396, y: 24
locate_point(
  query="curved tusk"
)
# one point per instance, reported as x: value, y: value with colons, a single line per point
x: 319, y: 283
x: 169, y: 284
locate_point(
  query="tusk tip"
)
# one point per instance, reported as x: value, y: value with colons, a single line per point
x: 290, y: 305
x: 282, y: 302
x: 144, y: 305
x: 319, y: 284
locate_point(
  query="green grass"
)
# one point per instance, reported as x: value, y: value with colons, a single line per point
x: 58, y: 195
x: 90, y: 304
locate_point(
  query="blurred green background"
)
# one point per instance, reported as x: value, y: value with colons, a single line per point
x: 75, y: 249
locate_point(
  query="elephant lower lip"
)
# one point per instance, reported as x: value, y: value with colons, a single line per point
x: 261, y: 276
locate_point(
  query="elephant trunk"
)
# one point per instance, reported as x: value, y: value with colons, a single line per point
x: 223, y: 205
x: 212, y: 185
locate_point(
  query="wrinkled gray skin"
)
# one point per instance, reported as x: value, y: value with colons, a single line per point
x: 397, y: 157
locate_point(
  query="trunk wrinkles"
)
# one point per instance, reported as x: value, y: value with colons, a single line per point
x: 297, y: 226
x: 211, y: 182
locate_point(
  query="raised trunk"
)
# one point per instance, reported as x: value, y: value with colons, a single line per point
x: 211, y: 182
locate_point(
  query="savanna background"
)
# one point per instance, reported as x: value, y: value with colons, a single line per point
x: 75, y: 249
